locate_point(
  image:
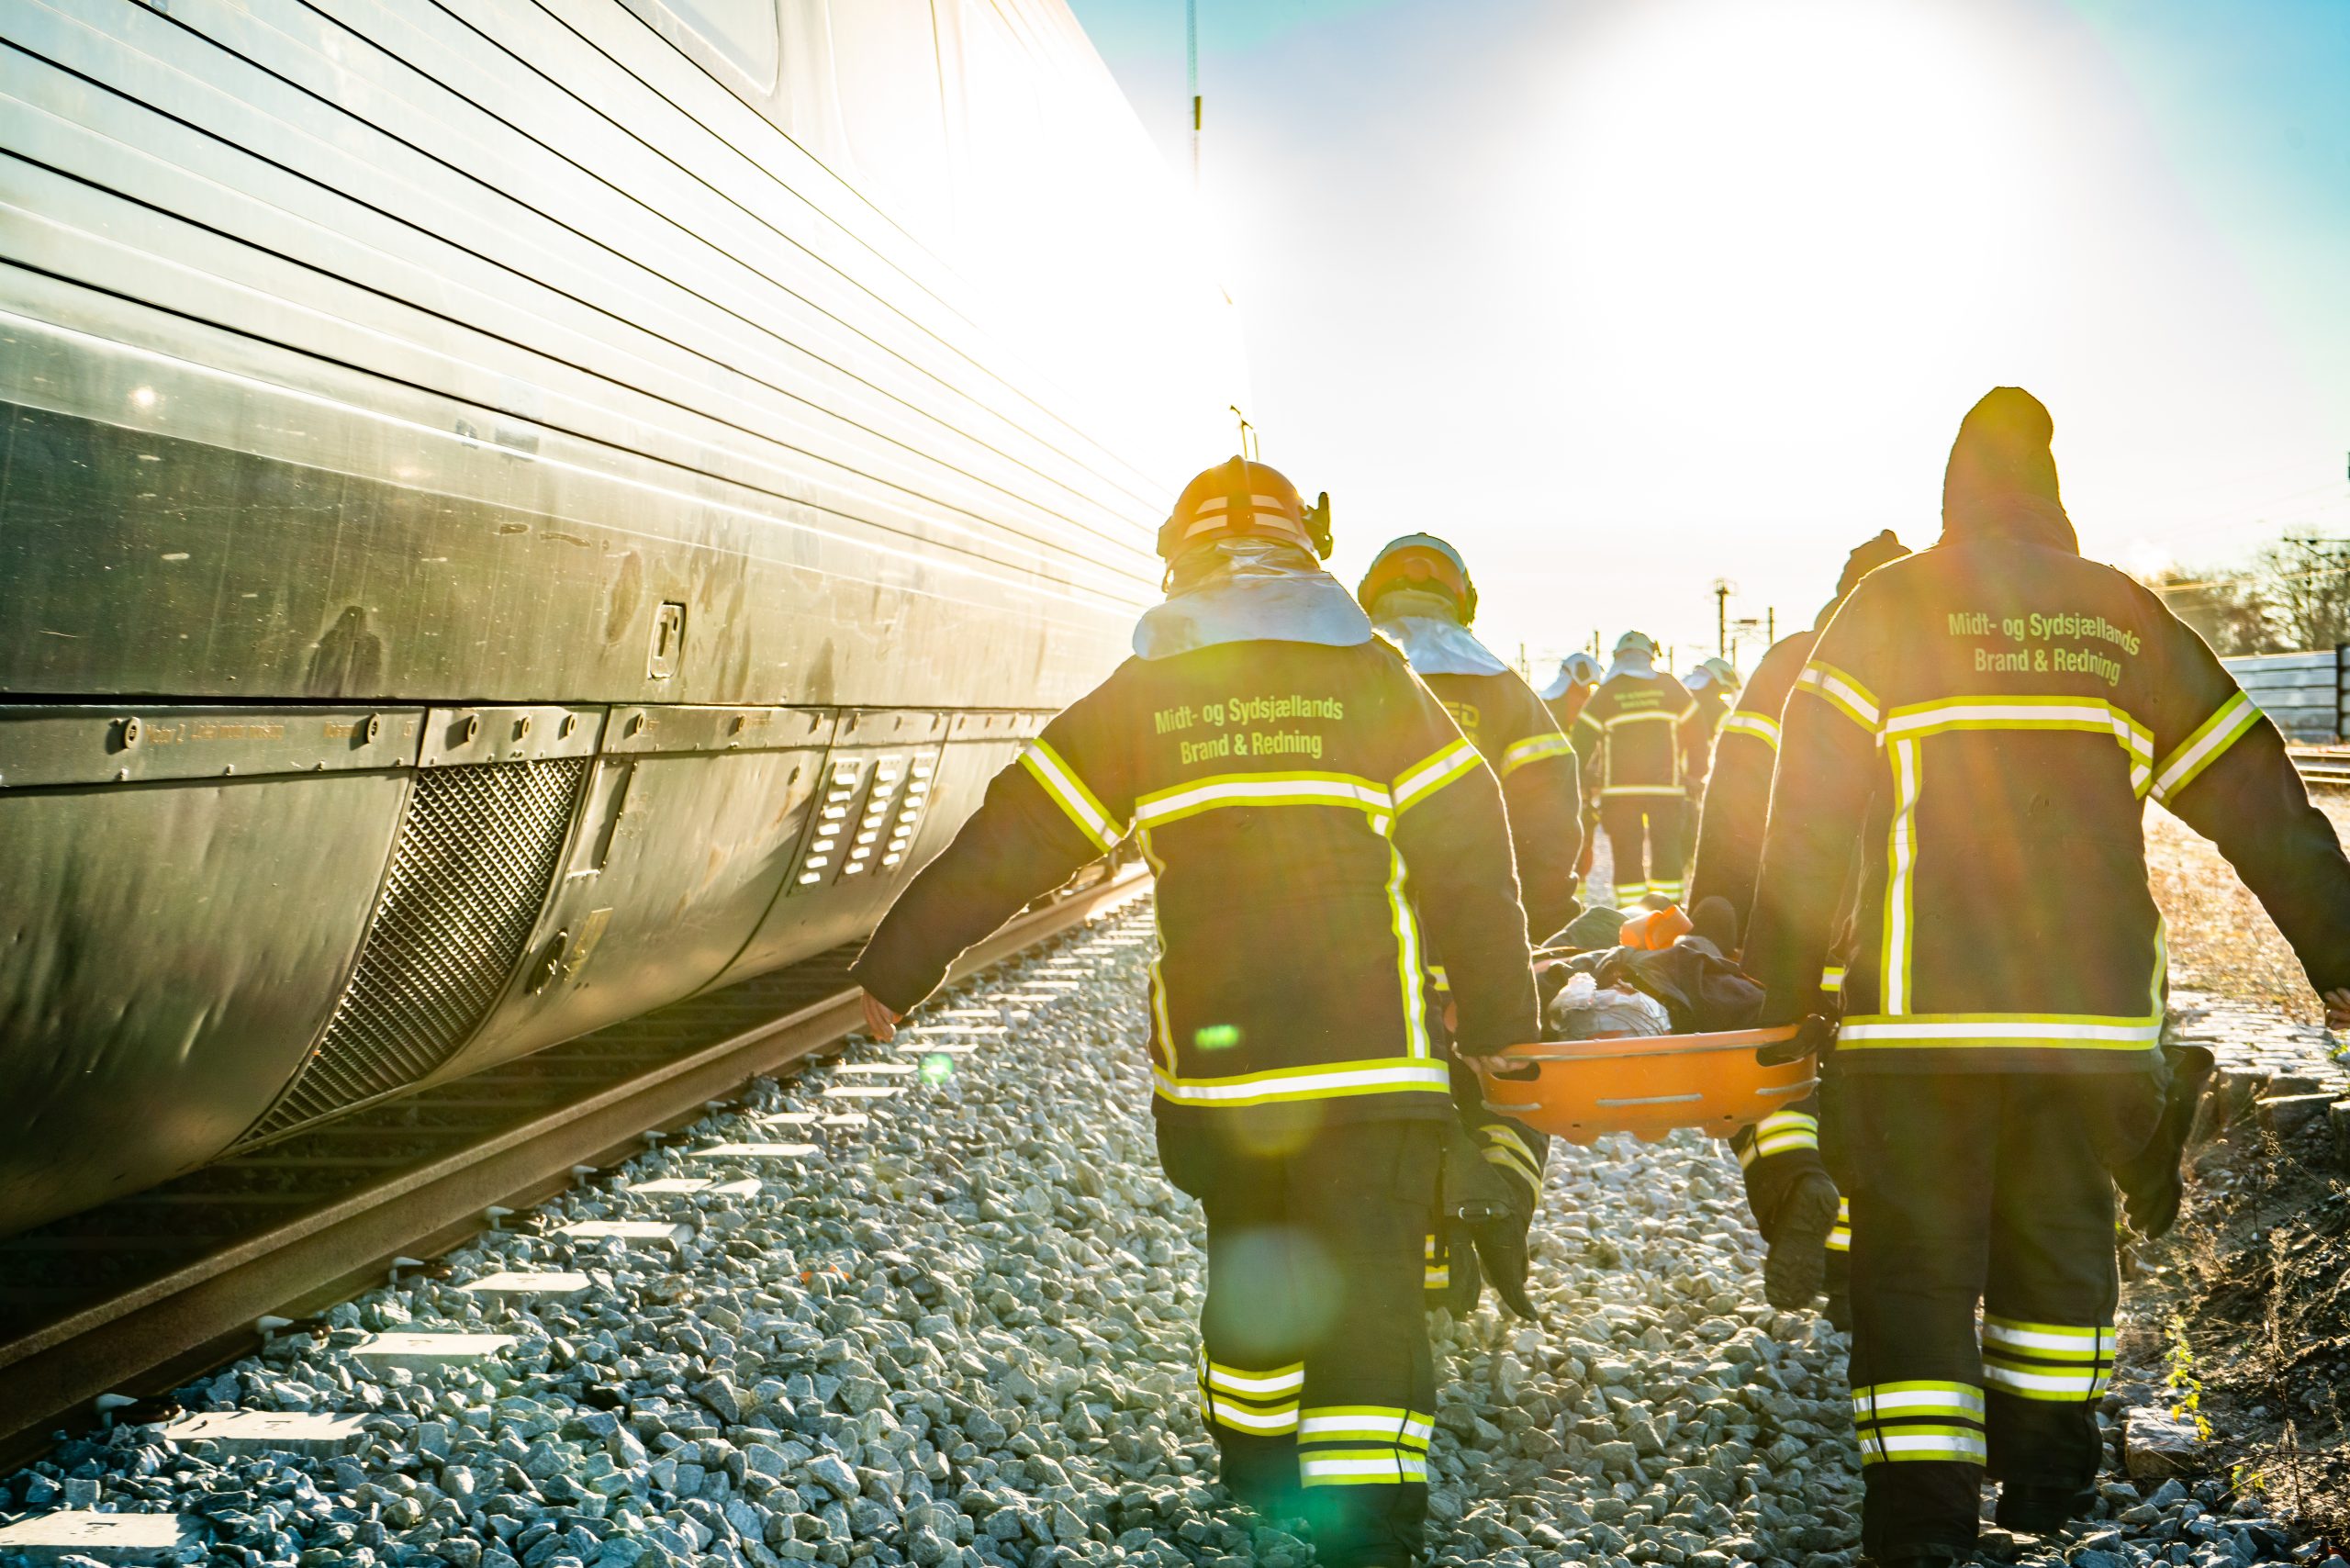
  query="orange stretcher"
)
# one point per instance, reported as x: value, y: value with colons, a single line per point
x: 1645, y: 1085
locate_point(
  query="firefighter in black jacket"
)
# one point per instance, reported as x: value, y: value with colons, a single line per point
x: 1421, y: 598
x: 1789, y: 1189
x: 1642, y: 742
x: 1992, y: 712
x: 1310, y: 812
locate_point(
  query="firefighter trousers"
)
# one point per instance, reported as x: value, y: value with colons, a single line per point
x: 1645, y: 838
x: 1315, y: 1376
x: 1989, y: 1188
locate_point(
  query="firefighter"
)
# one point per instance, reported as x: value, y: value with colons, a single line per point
x: 1714, y: 684
x: 1790, y: 1190
x: 1315, y: 820
x: 1991, y: 715
x: 1421, y: 598
x: 1642, y: 746
x: 1577, y: 678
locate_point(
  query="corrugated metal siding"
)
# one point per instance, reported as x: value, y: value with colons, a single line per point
x: 2304, y: 693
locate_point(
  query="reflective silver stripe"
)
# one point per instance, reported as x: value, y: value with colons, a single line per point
x: 1534, y: 749
x: 1263, y: 790
x: 1280, y: 1418
x: 1758, y: 726
x: 1068, y: 791
x: 1337, y: 1080
x: 1842, y: 692
x: 1425, y: 778
x: 2232, y: 721
x: 2017, y: 1029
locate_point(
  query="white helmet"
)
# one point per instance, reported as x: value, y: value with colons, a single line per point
x: 1639, y: 642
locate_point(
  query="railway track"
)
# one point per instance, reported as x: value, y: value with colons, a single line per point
x: 138, y: 1295
x: 2322, y: 767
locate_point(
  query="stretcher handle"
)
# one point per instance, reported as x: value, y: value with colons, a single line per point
x: 1635, y: 1045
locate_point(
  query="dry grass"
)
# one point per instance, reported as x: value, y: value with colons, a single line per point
x: 2220, y: 939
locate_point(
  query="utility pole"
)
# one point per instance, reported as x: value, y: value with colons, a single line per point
x: 1723, y: 589
x: 1191, y: 79
x: 1770, y: 625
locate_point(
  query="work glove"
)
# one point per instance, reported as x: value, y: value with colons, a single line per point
x: 1486, y: 1216
x: 1814, y: 1036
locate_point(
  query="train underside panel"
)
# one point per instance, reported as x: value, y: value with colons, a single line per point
x: 513, y: 514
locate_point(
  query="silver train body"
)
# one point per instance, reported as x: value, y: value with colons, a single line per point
x: 516, y: 512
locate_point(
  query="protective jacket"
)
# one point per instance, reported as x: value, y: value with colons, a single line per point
x: 1991, y: 715
x: 1738, y: 785
x: 1513, y: 731
x: 1712, y: 709
x: 1640, y: 734
x: 1306, y: 807
x: 1568, y: 706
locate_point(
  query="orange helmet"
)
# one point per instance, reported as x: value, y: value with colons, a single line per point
x: 1241, y: 497
x: 1420, y: 561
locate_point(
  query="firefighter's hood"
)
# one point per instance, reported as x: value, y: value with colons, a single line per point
x: 2001, y: 481
x: 1427, y: 626
x: 1250, y: 590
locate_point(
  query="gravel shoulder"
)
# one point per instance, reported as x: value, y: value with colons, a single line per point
x: 2222, y: 941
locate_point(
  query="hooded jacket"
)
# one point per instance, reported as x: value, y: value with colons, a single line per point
x: 1746, y: 751
x: 1315, y: 822
x: 1642, y: 733
x: 1992, y: 713
x: 1512, y: 730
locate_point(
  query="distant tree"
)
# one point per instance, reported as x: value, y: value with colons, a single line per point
x: 2305, y: 584
x: 2227, y: 608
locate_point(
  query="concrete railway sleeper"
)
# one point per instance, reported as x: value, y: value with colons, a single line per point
x: 954, y: 1322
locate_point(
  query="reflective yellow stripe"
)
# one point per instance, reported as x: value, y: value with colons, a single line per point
x: 2024, y: 1031
x: 1663, y: 789
x: 1340, y: 789
x: 1336, y: 1080
x: 1163, y: 1032
x: 1842, y: 692
x: 2049, y: 1385
x: 1919, y: 1397
x: 1060, y: 781
x: 2088, y: 715
x: 1831, y: 979
x: 1646, y: 715
x: 1496, y: 1132
x: 1840, y: 1238
x: 1534, y: 748
x: 1959, y: 1445
x: 2228, y: 725
x: 1255, y: 1381
x: 2049, y: 1341
x: 1782, y: 1132
x: 1757, y: 726
x: 1901, y: 855
x: 1365, y: 1424
x: 1404, y: 923
x: 1360, y: 1467
x: 1267, y: 1422
x: 1419, y: 781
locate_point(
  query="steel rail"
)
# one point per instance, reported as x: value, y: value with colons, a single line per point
x: 2322, y: 767
x: 154, y: 1335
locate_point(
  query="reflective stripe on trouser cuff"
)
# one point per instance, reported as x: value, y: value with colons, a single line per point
x: 1626, y: 892
x: 1955, y: 1445
x: 1435, y: 1275
x: 1831, y: 979
x: 1920, y: 1399
x: 1840, y: 1240
x: 1361, y: 1467
x: 1385, y: 1424
x: 2054, y: 1362
x: 1258, y: 1383
x: 1256, y: 1421
x: 1666, y: 891
x: 1784, y: 1130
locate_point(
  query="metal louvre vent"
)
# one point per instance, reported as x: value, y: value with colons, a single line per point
x: 473, y: 864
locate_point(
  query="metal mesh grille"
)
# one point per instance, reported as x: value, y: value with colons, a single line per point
x: 472, y: 865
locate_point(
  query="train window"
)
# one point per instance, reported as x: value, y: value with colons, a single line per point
x: 885, y: 68
x: 741, y: 32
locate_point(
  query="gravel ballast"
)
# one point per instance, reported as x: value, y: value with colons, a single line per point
x: 963, y: 1331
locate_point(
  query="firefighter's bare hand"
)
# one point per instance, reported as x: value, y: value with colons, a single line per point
x: 2337, y: 1008
x: 879, y: 1022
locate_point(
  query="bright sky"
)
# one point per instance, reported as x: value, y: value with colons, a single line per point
x: 1626, y: 296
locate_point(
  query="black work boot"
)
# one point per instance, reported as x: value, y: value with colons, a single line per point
x: 1796, y: 1264
x: 2151, y: 1183
x: 2041, y: 1510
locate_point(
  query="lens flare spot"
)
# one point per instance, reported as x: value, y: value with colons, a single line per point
x: 1216, y: 1037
